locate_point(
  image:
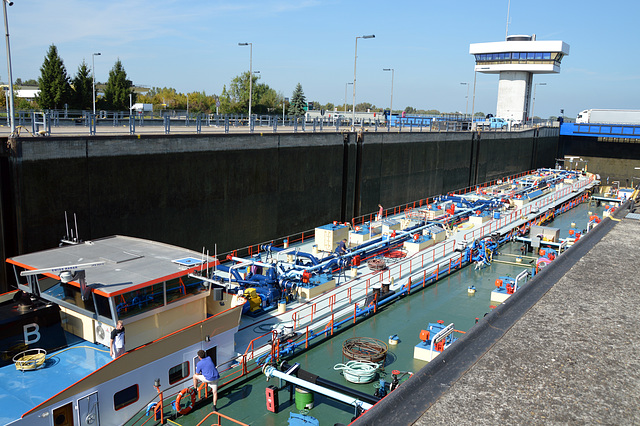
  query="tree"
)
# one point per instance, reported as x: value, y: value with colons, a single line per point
x: 298, y: 102
x: 55, y: 90
x: 264, y: 99
x: 118, y: 89
x: 365, y: 106
x: 82, y: 88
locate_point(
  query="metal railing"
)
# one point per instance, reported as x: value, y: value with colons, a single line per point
x: 68, y: 122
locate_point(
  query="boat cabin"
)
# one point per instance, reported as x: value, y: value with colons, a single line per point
x: 154, y: 288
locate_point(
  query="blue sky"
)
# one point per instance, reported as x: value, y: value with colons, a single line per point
x: 193, y: 46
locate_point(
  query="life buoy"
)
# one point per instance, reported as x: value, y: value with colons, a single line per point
x: 151, y: 407
x: 542, y: 262
x: 189, y: 407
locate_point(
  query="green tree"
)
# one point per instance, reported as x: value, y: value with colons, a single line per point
x: 82, y: 85
x: 365, y: 106
x: 162, y: 98
x: 55, y: 90
x: 264, y: 100
x: 298, y: 102
x: 239, y: 93
x: 118, y: 89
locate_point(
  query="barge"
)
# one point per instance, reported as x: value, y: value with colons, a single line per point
x: 292, y: 294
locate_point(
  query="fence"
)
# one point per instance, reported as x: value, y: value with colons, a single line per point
x: 43, y: 123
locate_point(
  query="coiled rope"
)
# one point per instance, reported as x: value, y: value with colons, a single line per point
x: 358, y: 371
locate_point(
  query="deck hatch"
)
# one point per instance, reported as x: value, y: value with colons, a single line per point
x: 188, y: 262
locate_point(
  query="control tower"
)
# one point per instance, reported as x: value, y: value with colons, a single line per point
x: 516, y: 60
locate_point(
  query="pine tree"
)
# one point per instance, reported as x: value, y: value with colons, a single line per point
x: 82, y: 88
x: 55, y: 90
x: 118, y: 89
x: 298, y: 102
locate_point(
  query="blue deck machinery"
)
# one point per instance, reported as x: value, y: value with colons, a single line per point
x: 276, y: 274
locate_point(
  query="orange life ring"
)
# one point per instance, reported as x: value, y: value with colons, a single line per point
x: 189, y: 407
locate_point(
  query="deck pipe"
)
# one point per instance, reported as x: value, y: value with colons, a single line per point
x: 270, y: 371
x: 289, y: 349
x: 467, y: 254
x: 310, y: 377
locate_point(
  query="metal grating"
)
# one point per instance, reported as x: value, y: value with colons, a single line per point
x: 635, y: 216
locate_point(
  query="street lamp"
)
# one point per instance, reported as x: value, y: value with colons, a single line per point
x: 391, y: 104
x: 250, y: 74
x: 355, y: 59
x: 345, y: 97
x: 535, y: 86
x: 473, y: 102
x: 93, y: 85
x: 467, y: 107
x: 6, y: 30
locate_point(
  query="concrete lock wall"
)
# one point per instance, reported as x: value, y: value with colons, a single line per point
x: 236, y: 190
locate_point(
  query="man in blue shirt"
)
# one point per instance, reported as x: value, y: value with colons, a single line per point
x: 207, y: 373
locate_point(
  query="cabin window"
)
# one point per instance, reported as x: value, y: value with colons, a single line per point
x: 102, y: 306
x: 178, y: 372
x: 70, y: 294
x: 139, y: 301
x: 125, y: 397
x: 538, y: 55
x: 546, y: 55
x: 184, y: 286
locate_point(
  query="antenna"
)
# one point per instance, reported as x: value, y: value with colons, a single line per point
x: 76, y: 221
x: 507, y: 31
x: 66, y: 224
x: 69, y: 237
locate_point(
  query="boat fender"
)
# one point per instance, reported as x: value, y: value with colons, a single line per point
x: 189, y: 407
x: 151, y: 407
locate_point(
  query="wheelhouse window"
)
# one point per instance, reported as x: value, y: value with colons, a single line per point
x: 182, y: 287
x: 139, y: 301
x: 125, y: 397
x: 178, y: 372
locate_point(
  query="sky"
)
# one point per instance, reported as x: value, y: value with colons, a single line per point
x: 192, y: 46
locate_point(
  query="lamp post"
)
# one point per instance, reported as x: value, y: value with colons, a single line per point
x: 284, y: 100
x: 466, y: 109
x: 473, y: 103
x: 345, y: 97
x: 6, y: 30
x: 355, y: 60
x: 535, y: 86
x: 93, y: 73
x: 391, y: 103
x: 250, y: 73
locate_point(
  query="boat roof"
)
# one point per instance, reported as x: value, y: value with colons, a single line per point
x: 20, y: 391
x: 129, y: 263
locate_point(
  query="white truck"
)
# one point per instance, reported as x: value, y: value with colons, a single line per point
x: 140, y: 107
x: 609, y: 116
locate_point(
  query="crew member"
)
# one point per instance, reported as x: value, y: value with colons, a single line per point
x: 342, y: 247
x: 116, y: 345
x: 207, y: 373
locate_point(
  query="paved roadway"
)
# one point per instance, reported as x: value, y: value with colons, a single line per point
x: 563, y: 350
